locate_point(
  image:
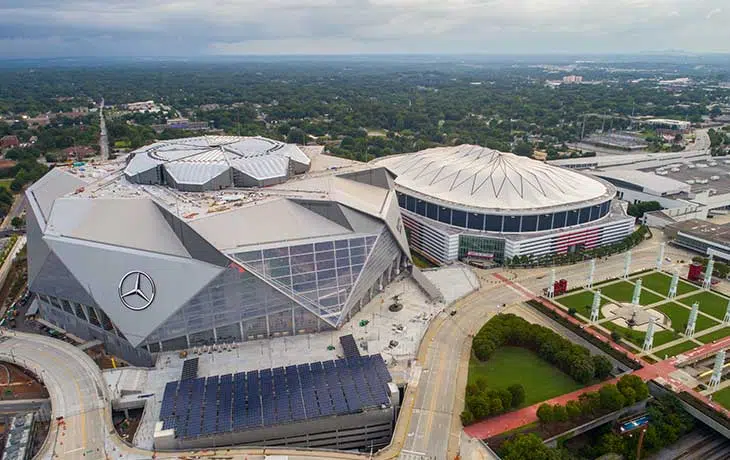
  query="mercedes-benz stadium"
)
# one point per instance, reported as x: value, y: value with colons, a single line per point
x: 207, y: 240
x: 471, y: 201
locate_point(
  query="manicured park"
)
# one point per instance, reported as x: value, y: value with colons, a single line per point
x: 722, y: 397
x: 679, y: 315
x: 623, y: 291
x: 581, y: 302
x: 711, y: 303
x: 660, y: 282
x: 510, y: 365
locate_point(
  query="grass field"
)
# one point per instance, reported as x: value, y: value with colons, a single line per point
x: 722, y: 397
x: 659, y: 282
x: 680, y: 316
x: 582, y: 302
x: 637, y: 337
x: 510, y: 365
x: 5, y: 183
x: 623, y: 291
x: 676, y: 349
x: 710, y: 303
x: 714, y: 335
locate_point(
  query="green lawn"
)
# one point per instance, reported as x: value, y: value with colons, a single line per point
x: 676, y: 349
x: 582, y: 302
x: 5, y: 183
x: 637, y: 337
x: 722, y: 397
x: 623, y: 291
x: 680, y: 315
x: 714, y: 335
x: 710, y: 303
x: 510, y: 365
x: 659, y: 282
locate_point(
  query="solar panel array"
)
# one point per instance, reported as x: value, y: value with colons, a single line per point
x: 202, y: 407
x: 349, y: 346
x: 190, y: 369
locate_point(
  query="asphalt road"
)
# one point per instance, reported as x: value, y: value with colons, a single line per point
x: 103, y: 135
x: 16, y: 210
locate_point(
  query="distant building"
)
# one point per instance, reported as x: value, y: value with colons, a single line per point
x: 79, y: 151
x: 572, y: 79
x: 183, y: 123
x: 143, y: 106
x: 701, y: 236
x: 9, y: 142
x: 668, y: 126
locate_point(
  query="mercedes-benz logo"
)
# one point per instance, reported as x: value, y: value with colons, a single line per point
x: 136, y: 290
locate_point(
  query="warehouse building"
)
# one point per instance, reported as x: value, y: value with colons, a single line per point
x: 474, y: 202
x: 209, y: 240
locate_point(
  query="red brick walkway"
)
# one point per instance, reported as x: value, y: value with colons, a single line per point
x: 512, y: 420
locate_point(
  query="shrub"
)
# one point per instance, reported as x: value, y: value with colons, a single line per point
x: 518, y: 394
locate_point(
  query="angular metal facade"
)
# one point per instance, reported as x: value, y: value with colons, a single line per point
x: 202, y: 294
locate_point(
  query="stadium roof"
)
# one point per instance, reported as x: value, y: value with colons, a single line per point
x: 200, y: 160
x: 475, y: 177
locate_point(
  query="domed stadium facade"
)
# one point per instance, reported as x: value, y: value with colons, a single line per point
x: 209, y: 240
x: 474, y: 202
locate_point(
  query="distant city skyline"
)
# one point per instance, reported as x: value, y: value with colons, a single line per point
x: 52, y: 28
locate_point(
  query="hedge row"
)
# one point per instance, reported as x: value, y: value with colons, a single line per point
x: 622, y: 358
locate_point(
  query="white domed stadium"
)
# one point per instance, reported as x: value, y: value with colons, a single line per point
x: 473, y: 202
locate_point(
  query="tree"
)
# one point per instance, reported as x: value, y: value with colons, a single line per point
x: 545, y: 413
x: 602, y: 366
x: 524, y: 446
x: 638, y: 209
x: 17, y: 222
x: 496, y: 406
x: 478, y: 406
x: 572, y: 311
x: 559, y: 413
x: 518, y: 394
x: 572, y: 408
x: 611, y: 442
x: 296, y: 136
x: 523, y: 149
x: 611, y: 398
x: 467, y: 418
x: 506, y: 397
x: 615, y: 336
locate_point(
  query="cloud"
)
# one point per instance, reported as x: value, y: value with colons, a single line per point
x: 187, y: 27
x: 714, y: 12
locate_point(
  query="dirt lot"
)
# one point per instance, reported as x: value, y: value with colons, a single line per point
x: 21, y: 385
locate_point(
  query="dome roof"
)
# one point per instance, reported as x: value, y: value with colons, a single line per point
x: 197, y: 161
x: 474, y: 177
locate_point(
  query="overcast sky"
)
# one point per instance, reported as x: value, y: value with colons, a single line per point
x: 39, y: 28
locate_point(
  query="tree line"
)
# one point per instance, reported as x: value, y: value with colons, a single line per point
x: 668, y: 421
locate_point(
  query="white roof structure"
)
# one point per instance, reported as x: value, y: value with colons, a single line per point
x: 648, y: 181
x: 478, y: 178
x: 214, y: 162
